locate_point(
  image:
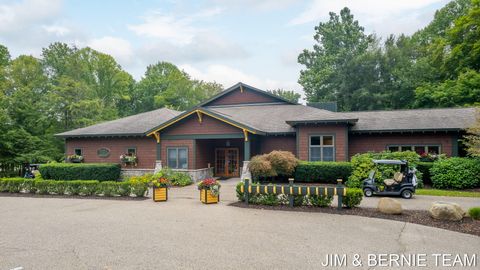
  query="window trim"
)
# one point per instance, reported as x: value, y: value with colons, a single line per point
x: 106, y: 156
x: 177, y: 161
x: 412, y: 147
x: 78, y: 148
x: 321, y: 146
x: 131, y: 147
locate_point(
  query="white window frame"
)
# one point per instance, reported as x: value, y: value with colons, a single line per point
x: 177, y: 160
x: 321, y: 146
x: 413, y: 146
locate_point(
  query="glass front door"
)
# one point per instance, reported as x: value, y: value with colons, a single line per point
x: 226, y: 162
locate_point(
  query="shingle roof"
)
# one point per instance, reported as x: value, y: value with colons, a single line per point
x: 137, y: 124
x: 420, y: 119
x: 272, y: 118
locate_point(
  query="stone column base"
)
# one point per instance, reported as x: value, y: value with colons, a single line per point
x: 158, y: 166
x: 245, y: 171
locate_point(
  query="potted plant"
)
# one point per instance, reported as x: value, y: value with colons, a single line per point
x: 160, y: 189
x: 129, y: 159
x: 75, y: 158
x: 209, y: 191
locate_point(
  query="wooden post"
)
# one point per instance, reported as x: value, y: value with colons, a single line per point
x: 340, y: 188
x: 246, y: 195
x: 290, y: 196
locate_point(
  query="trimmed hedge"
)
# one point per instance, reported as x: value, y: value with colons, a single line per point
x: 73, y: 187
x: 353, y: 197
x: 456, y: 173
x: 322, y: 172
x: 81, y: 171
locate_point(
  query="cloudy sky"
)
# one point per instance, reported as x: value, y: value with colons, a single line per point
x: 256, y: 42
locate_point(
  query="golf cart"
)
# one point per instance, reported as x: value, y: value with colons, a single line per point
x: 403, y: 182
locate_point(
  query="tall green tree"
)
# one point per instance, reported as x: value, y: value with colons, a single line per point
x: 286, y: 94
x: 165, y: 85
x: 333, y: 70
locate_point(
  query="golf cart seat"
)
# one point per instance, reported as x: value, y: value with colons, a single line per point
x: 398, y: 177
x: 389, y: 182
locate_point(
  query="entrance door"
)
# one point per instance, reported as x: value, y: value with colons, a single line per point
x: 226, y: 162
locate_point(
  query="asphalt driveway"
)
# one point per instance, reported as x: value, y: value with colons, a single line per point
x: 50, y: 233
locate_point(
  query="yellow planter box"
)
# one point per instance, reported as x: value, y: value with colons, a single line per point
x: 207, y: 197
x: 160, y: 194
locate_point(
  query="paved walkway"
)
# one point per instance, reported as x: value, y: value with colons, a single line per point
x: 49, y: 233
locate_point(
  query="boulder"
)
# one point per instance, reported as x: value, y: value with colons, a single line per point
x: 389, y: 206
x: 446, y: 211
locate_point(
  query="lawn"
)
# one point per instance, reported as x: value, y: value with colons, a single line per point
x: 449, y: 193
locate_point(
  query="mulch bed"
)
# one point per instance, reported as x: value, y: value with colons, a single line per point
x: 422, y: 217
x: 30, y: 195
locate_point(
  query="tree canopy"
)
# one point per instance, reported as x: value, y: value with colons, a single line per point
x: 286, y: 94
x: 437, y: 66
x: 70, y: 87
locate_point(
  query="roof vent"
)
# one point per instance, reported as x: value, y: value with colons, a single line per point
x: 329, y: 106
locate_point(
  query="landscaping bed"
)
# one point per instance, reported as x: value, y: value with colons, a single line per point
x: 466, y: 225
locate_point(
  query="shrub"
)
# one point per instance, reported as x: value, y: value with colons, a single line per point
x: 80, y: 171
x: 238, y: 190
x: 260, y: 167
x: 474, y: 212
x: 283, y: 162
x: 362, y: 165
x: 320, y: 200
x: 180, y: 179
x: 138, y: 186
x: 424, y: 168
x: 16, y: 185
x: 322, y: 172
x: 352, y: 198
x: 456, y: 173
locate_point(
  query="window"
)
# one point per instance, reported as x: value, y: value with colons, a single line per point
x: 78, y: 151
x: 419, y: 149
x: 103, y: 152
x: 177, y: 157
x: 322, y: 148
x: 132, y: 151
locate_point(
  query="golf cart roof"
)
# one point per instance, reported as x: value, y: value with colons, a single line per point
x: 389, y: 161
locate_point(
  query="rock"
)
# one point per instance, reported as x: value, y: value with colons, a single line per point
x: 389, y: 206
x: 446, y: 211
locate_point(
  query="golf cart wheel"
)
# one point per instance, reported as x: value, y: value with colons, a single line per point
x: 368, y: 192
x: 407, y: 194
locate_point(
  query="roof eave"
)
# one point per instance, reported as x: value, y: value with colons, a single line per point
x: 407, y: 130
x: 333, y: 121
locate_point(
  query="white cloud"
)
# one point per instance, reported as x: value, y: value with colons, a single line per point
x: 57, y: 30
x: 20, y: 15
x: 119, y: 48
x: 176, y: 29
x: 383, y: 17
x: 179, y: 38
x: 264, y: 5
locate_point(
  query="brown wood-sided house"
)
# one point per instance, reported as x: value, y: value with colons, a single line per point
x: 218, y: 135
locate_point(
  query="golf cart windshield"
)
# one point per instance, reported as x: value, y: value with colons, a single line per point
x: 371, y: 175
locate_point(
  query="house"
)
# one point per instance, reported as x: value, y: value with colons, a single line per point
x: 219, y: 135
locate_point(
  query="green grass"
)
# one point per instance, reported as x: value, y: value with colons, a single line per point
x: 449, y: 193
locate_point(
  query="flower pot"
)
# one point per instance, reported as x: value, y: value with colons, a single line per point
x: 207, y: 197
x: 160, y: 194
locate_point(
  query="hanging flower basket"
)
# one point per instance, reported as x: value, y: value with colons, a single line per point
x: 75, y: 159
x: 209, y: 191
x: 129, y: 159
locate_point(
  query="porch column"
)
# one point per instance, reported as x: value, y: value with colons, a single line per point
x: 246, y: 152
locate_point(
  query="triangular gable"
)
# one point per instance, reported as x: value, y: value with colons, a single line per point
x: 241, y: 93
x: 200, y: 113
